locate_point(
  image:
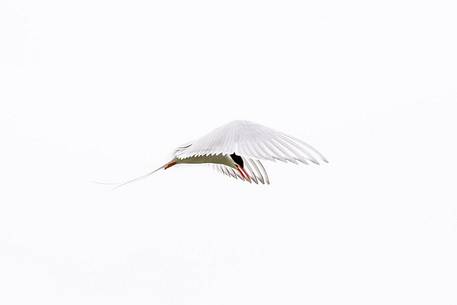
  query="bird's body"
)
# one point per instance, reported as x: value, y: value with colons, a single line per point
x: 212, y: 159
x: 235, y: 149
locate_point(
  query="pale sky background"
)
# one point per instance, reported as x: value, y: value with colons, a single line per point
x: 105, y: 90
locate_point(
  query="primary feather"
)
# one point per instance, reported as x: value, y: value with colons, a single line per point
x: 251, y: 140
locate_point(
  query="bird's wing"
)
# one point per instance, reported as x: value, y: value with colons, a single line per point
x: 254, y: 169
x: 254, y: 141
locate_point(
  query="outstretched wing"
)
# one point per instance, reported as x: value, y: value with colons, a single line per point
x: 252, y: 167
x: 252, y: 141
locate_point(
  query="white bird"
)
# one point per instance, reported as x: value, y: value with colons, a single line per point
x: 235, y: 149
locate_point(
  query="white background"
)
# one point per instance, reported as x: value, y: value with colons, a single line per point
x: 104, y: 90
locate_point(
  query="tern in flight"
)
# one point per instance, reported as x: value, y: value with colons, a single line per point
x: 235, y: 149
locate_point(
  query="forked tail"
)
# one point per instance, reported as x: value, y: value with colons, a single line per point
x: 165, y: 166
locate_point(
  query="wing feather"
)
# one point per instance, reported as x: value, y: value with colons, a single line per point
x: 253, y: 168
x: 278, y: 152
x: 287, y: 154
x: 257, y: 171
x: 250, y: 171
x: 290, y: 148
x: 296, y: 145
x: 253, y: 141
x: 264, y: 172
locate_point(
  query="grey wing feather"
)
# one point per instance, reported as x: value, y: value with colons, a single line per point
x: 253, y: 141
x: 253, y: 168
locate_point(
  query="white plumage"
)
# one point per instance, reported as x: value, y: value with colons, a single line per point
x: 236, y: 148
x: 253, y: 140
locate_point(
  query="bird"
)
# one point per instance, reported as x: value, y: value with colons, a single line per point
x: 237, y: 148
